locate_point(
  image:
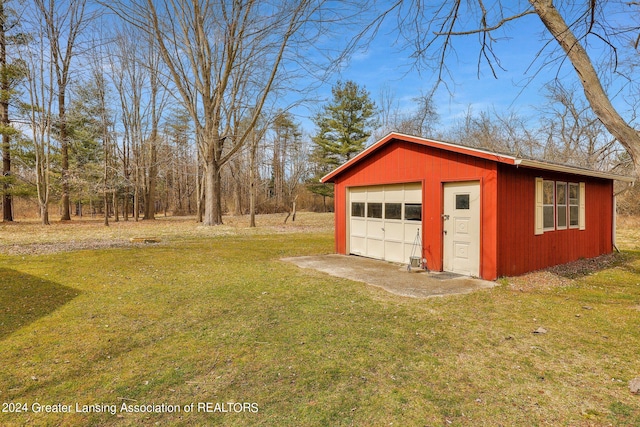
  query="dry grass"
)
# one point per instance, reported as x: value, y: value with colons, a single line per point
x: 30, y: 237
x: 628, y: 236
x: 212, y: 315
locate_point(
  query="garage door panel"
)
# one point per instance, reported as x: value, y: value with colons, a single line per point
x: 394, y: 251
x: 358, y: 245
x: 358, y: 227
x: 375, y: 248
x: 394, y: 231
x: 375, y: 194
x: 413, y: 193
x: 375, y: 229
x: 358, y: 195
x: 411, y: 229
x: 383, y: 232
x: 393, y: 194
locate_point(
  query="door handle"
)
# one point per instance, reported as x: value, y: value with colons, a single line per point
x: 444, y: 231
x: 445, y: 217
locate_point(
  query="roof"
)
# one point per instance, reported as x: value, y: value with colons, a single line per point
x: 474, y: 152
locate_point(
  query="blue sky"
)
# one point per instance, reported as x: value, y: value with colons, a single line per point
x: 383, y: 63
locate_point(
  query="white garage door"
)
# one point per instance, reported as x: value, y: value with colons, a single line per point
x: 384, y: 221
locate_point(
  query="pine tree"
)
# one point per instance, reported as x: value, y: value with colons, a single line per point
x: 10, y: 73
x: 344, y: 126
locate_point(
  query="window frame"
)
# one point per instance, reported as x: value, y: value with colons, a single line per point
x: 560, y: 204
x: 404, y: 211
x: 546, y: 205
x: 370, y: 212
x: 364, y: 208
x: 542, y: 205
x: 575, y: 205
x: 384, y: 208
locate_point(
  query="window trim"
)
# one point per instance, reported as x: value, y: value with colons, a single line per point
x: 546, y: 205
x: 575, y: 205
x: 565, y: 205
x: 384, y: 209
x: 539, y: 206
x: 364, y: 207
x: 370, y: 212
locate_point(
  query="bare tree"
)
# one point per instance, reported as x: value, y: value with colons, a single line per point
x: 207, y: 48
x: 39, y: 110
x: 573, y: 134
x: 64, y: 23
x: 432, y: 29
x: 419, y: 121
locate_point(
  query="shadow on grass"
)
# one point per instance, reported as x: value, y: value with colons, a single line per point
x: 25, y: 298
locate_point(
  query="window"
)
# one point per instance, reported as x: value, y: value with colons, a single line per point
x: 574, y: 205
x: 548, y: 197
x: 374, y: 210
x: 413, y: 212
x: 393, y: 210
x: 462, y: 201
x: 561, y: 205
x: 357, y: 209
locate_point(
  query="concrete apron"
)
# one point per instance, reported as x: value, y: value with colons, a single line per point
x: 391, y: 277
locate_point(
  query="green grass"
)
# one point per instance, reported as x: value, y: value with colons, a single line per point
x: 221, y: 319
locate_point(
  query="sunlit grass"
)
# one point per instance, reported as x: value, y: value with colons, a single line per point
x: 218, y: 318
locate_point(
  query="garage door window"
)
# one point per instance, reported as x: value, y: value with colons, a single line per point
x: 413, y: 212
x: 374, y: 210
x: 357, y: 209
x: 393, y: 210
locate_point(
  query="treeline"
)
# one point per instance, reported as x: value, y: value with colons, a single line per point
x: 139, y: 108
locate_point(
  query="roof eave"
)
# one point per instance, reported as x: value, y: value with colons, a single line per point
x: 475, y: 152
x: 536, y: 164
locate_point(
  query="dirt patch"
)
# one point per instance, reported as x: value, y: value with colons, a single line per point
x: 564, y: 274
x: 51, y: 248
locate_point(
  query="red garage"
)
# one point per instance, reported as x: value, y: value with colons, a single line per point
x: 470, y: 211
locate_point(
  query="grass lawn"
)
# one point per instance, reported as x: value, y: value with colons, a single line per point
x: 212, y: 317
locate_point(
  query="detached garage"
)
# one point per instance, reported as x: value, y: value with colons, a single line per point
x: 469, y: 211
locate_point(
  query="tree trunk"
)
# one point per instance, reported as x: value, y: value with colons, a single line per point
x: 293, y: 218
x: 252, y: 182
x: 64, y: 151
x: 150, y: 193
x: 116, y: 214
x: 44, y: 214
x: 106, y: 208
x: 213, y: 196
x: 7, y: 203
x: 125, y: 204
x: 595, y: 94
x: 236, y: 171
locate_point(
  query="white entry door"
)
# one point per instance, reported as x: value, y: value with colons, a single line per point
x: 461, y: 228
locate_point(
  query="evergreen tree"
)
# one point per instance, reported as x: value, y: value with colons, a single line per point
x: 345, y: 123
x: 10, y: 73
x: 344, y: 126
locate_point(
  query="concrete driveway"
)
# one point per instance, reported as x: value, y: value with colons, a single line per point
x: 392, y: 277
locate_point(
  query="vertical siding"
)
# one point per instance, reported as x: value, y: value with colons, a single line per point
x: 404, y: 162
x: 520, y: 250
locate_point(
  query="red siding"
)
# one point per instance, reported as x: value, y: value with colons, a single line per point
x: 405, y: 162
x: 520, y: 250
x: 508, y: 244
